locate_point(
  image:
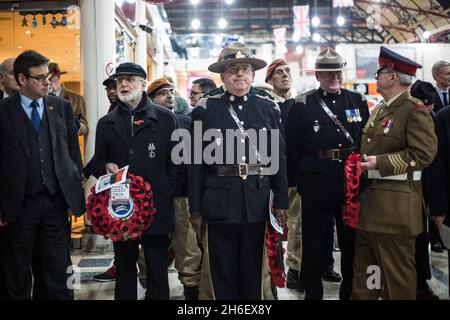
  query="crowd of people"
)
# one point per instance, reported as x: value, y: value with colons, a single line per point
x: 286, y: 160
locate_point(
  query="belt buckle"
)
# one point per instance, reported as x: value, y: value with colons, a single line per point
x: 243, y: 170
x: 335, y: 154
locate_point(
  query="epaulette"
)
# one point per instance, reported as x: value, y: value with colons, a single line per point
x: 363, y: 96
x: 275, y: 105
x: 302, y: 97
x: 202, y: 101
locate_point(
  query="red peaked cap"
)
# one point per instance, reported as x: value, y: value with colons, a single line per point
x: 395, y: 61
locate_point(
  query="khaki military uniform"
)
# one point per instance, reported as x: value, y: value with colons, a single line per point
x: 294, y: 223
x: 79, y: 109
x: 402, y: 137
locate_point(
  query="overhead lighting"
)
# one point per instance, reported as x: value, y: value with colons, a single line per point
x: 340, y: 21
x: 426, y: 35
x: 229, y: 1
x: 316, y: 37
x: 19, y: 47
x: 74, y: 69
x: 299, y: 49
x: 222, y: 23
x: 195, y: 24
x: 315, y: 21
x: 28, y: 32
x: 195, y: 2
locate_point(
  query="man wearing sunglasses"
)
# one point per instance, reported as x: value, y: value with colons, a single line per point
x: 41, y: 179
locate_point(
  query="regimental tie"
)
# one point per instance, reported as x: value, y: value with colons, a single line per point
x: 35, y: 118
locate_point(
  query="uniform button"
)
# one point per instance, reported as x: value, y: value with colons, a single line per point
x: 243, y: 158
x: 372, y: 124
x: 240, y: 107
x: 340, y: 145
x: 245, y: 98
x: 131, y: 151
x: 340, y: 160
x: 369, y: 140
x: 232, y: 98
x: 338, y: 130
x: 242, y: 123
x: 334, y: 101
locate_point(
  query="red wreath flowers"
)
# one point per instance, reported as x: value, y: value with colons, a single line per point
x: 352, y: 173
x: 127, y: 229
x: 275, y: 253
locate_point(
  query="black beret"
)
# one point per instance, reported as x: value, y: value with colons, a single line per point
x: 423, y: 91
x: 110, y: 79
x: 130, y: 68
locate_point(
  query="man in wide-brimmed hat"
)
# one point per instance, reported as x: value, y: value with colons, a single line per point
x: 229, y: 196
x: 77, y: 101
x: 322, y: 130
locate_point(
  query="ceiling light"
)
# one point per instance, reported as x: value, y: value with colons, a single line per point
x: 315, y: 21
x: 316, y: 37
x: 28, y: 32
x: 222, y: 23
x: 19, y: 47
x: 426, y: 35
x: 195, y: 2
x: 299, y: 49
x: 229, y: 1
x: 340, y: 21
x: 195, y: 24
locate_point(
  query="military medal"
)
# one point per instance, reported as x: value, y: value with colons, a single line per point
x: 350, y: 115
x: 387, y: 126
x: 316, y: 126
x: 358, y: 114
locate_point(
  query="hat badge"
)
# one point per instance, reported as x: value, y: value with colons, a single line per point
x: 239, y: 55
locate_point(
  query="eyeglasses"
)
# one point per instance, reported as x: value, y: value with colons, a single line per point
x: 194, y: 93
x: 128, y: 79
x: 41, y: 78
x: 378, y: 74
x: 165, y: 92
x: 235, y: 69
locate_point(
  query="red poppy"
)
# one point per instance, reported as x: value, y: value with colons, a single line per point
x: 139, y: 122
x: 277, y: 274
x: 121, y: 230
x: 352, y: 179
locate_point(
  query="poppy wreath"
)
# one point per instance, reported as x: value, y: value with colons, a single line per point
x: 127, y: 229
x: 275, y: 253
x: 352, y: 173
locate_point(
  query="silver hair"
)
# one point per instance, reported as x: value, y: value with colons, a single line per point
x: 405, y: 79
x: 437, y: 67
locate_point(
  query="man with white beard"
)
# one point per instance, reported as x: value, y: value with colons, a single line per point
x: 138, y: 133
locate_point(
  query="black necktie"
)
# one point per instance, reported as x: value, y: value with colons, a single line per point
x: 35, y: 118
x: 444, y: 95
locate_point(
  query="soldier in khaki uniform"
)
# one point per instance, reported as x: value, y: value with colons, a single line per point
x: 397, y: 143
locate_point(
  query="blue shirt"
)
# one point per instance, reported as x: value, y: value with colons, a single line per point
x: 27, y: 108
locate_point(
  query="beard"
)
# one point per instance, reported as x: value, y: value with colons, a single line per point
x: 132, y: 96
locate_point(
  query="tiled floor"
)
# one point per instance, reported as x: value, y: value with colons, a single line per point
x: 91, y: 264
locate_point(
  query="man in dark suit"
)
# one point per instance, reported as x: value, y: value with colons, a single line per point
x: 319, y: 146
x: 41, y: 179
x: 138, y: 133
x: 441, y: 74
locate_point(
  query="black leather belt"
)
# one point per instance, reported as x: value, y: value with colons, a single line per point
x: 237, y: 170
x: 330, y: 154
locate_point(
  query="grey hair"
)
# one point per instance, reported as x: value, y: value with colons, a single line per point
x: 405, y: 79
x: 436, y: 70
